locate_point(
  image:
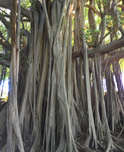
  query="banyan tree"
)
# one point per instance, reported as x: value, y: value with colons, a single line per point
x: 58, y: 54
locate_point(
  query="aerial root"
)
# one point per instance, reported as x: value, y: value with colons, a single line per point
x: 83, y: 148
x: 118, y: 147
x: 102, y: 147
x: 4, y: 148
x: 110, y: 146
x: 121, y: 132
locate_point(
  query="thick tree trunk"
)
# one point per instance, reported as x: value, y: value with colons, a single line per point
x: 60, y: 102
x: 13, y: 129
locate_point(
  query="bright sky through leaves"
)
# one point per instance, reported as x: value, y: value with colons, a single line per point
x: 5, y: 88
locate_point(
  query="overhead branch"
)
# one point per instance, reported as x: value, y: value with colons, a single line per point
x: 4, y: 21
x: 4, y: 42
x: 5, y: 63
x: 93, y: 8
x: 102, y: 49
x: 116, y: 57
x: 7, y: 4
x: 77, y: 54
x: 5, y: 57
x: 121, y: 6
x: 26, y: 13
x: 121, y: 30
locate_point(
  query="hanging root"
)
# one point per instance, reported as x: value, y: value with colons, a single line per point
x: 118, y: 147
x: 83, y: 148
x: 121, y: 132
x: 110, y: 146
x: 102, y: 147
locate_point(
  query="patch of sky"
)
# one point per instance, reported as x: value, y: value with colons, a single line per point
x: 4, y: 88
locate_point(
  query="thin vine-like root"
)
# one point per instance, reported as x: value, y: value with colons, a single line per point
x: 121, y: 132
x: 118, y: 147
x: 110, y: 146
x: 83, y: 148
x: 101, y: 145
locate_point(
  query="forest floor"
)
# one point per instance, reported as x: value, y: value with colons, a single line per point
x: 118, y: 139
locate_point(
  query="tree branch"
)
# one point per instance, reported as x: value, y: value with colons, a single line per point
x: 4, y: 42
x: 117, y: 56
x: 121, y: 6
x: 101, y: 49
x: 93, y: 8
x: 116, y: 44
x: 4, y: 60
x: 4, y: 21
x: 7, y: 4
x: 5, y: 63
x: 77, y: 54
